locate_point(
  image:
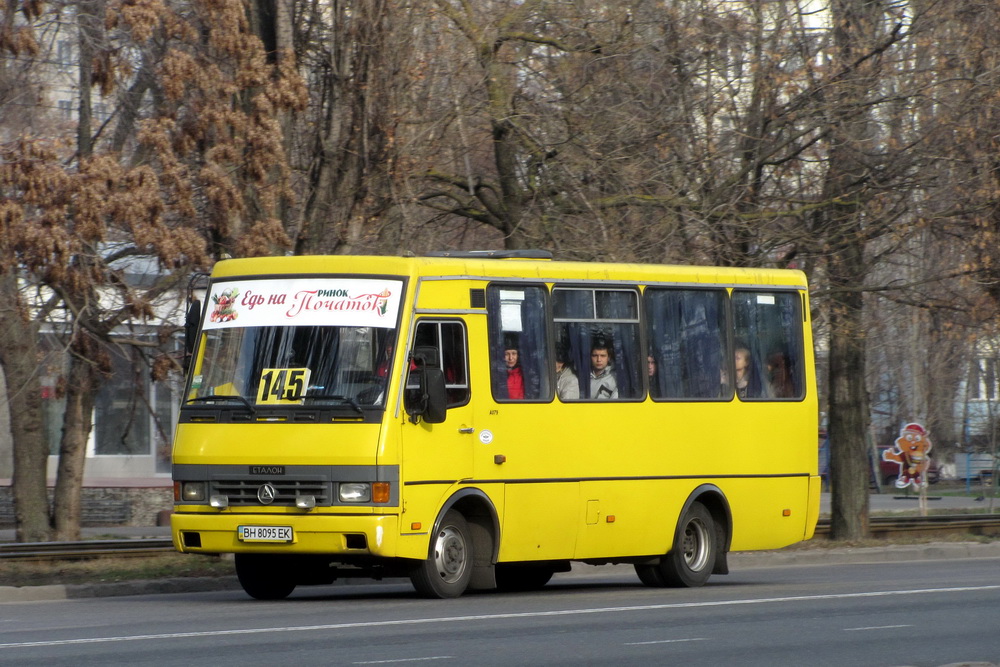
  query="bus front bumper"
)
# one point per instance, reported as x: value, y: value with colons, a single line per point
x: 374, y: 535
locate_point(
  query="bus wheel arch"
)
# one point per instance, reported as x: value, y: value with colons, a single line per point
x: 466, y: 538
x: 700, y: 545
x: 716, y: 503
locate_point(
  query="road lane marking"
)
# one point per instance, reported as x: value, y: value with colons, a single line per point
x: 667, y: 641
x: 393, y: 662
x: 495, y: 617
x: 877, y: 627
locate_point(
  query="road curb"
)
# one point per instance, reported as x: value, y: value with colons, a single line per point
x: 853, y: 555
x: 114, y: 589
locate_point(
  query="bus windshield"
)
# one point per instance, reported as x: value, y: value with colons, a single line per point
x: 297, y: 341
x: 296, y: 365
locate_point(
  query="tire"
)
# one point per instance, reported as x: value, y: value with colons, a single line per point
x: 264, y: 577
x: 651, y: 575
x: 448, y: 569
x: 520, y: 578
x: 689, y: 564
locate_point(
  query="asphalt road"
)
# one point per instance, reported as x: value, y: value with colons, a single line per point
x: 920, y: 612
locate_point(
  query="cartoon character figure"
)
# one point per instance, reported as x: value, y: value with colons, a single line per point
x: 911, y: 451
x: 223, y: 311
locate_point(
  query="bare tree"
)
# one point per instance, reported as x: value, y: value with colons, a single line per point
x: 207, y: 171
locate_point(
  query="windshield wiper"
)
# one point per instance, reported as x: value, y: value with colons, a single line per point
x: 335, y: 397
x: 225, y: 397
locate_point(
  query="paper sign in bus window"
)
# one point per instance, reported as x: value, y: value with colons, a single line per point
x: 282, y: 385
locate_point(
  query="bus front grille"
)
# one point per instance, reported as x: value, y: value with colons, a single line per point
x: 245, y: 492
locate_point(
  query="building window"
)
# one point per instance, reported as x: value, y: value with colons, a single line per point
x: 983, y: 379
x: 122, y: 409
x: 66, y: 109
x: 64, y: 53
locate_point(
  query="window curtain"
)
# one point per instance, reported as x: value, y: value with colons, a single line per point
x: 534, y: 346
x: 625, y: 339
x: 578, y: 336
x: 751, y: 332
x: 532, y: 342
x: 498, y: 369
x: 687, y: 341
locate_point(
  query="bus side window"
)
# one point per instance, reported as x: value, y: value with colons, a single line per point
x: 598, y: 331
x: 686, y: 334
x: 520, y: 368
x: 447, y: 339
x: 768, y: 328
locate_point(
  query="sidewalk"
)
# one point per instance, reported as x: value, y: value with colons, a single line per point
x: 897, y: 500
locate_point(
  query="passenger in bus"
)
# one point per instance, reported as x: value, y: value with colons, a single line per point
x: 602, y: 379
x: 748, y: 382
x: 780, y: 376
x: 515, y: 378
x: 652, y: 375
x: 567, y: 384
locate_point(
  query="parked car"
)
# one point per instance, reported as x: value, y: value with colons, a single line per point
x: 889, y: 470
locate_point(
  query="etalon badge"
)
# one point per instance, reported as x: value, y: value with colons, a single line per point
x: 266, y: 494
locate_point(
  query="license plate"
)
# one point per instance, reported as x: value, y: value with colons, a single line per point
x: 265, y: 533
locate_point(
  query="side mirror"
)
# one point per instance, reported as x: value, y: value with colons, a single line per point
x: 191, y: 321
x: 436, y: 407
x: 429, y: 399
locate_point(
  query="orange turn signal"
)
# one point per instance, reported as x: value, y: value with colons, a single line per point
x: 380, y: 492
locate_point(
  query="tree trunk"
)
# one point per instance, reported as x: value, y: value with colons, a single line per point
x: 19, y: 358
x: 348, y: 181
x: 849, y: 466
x: 857, y: 26
x: 77, y: 423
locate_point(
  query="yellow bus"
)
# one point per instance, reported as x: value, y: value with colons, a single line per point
x: 478, y: 420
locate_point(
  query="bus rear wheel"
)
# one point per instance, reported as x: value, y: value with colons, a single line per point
x: 448, y: 569
x: 264, y: 577
x: 689, y: 563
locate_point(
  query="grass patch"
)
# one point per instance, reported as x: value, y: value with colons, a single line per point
x: 823, y: 544
x: 113, y: 570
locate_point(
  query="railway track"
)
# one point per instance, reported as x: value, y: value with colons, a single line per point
x: 937, y: 525
x: 54, y: 551
x: 880, y: 527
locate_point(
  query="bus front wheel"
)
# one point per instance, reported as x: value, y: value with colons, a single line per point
x: 689, y: 563
x: 448, y: 569
x: 264, y: 577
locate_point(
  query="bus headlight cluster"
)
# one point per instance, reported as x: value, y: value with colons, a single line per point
x: 355, y: 492
x: 193, y: 492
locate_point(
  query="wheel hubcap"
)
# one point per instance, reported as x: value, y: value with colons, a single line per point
x: 696, y: 541
x: 450, y: 555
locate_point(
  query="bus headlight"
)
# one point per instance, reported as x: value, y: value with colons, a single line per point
x: 355, y: 492
x: 193, y: 492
